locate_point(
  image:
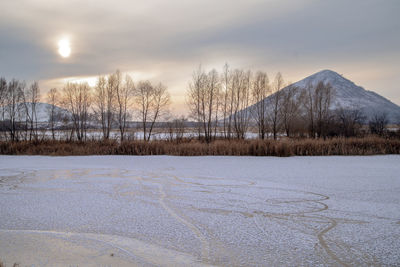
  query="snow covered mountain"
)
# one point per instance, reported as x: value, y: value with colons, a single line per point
x: 42, y: 112
x: 43, y: 109
x: 348, y: 95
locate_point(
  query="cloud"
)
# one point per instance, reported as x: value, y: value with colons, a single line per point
x: 166, y: 40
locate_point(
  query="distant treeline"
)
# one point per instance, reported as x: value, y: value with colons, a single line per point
x: 225, y: 105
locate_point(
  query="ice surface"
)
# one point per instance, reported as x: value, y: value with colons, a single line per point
x: 189, y: 211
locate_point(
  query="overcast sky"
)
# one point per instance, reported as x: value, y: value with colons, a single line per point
x: 166, y: 40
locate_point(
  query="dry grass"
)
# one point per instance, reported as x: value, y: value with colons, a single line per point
x: 3, y: 265
x: 282, y: 148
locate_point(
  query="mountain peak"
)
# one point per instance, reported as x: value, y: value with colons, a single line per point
x: 327, y: 76
x: 348, y: 95
x: 327, y: 72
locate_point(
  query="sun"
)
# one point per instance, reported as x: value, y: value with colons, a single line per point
x: 64, y: 48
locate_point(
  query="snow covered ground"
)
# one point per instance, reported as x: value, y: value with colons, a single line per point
x: 195, y: 211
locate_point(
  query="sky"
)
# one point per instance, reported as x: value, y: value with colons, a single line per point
x: 165, y: 41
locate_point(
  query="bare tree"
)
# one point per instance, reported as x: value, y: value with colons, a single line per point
x: 378, y: 123
x: 194, y: 98
x: 323, y: 96
x: 309, y: 105
x: 159, y: 107
x: 31, y: 98
x: 275, y: 101
x: 203, y: 95
x: 260, y: 90
x: 53, y: 99
x: 349, y: 121
x: 179, y: 125
x: 209, y: 104
x: 3, y: 94
x: 231, y: 103
x: 317, y: 103
x: 104, y: 99
x: 291, y: 100
x: 13, y: 107
x: 99, y: 101
x: 124, y: 93
x: 153, y: 102
x: 176, y: 129
x: 225, y: 99
x: 216, y: 85
x: 144, y: 100
x: 77, y: 99
x: 241, y: 85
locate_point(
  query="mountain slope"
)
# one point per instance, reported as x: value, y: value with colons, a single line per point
x: 43, y: 109
x: 348, y: 95
x: 42, y: 112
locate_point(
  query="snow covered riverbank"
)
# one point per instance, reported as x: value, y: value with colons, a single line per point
x: 162, y: 210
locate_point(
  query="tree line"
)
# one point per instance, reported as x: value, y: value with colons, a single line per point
x: 229, y: 104
x: 110, y: 104
x: 222, y: 105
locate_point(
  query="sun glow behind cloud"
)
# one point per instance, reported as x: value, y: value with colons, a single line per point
x: 91, y: 81
x: 64, y: 48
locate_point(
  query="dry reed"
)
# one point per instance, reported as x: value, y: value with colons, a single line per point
x: 286, y: 147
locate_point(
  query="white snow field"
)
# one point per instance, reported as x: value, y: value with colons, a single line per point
x: 195, y: 211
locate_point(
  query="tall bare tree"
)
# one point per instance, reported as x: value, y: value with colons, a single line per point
x: 124, y: 92
x: 153, y: 102
x: 232, y: 105
x: 31, y: 98
x: 143, y: 99
x: 323, y: 97
x: 104, y: 99
x: 218, y: 101
x: 226, y: 103
x: 241, y: 100
x: 309, y: 105
x: 291, y: 100
x: 209, y: 103
x: 194, y: 98
x: 275, y: 101
x: 3, y: 93
x: 14, y: 107
x: 317, y: 102
x: 53, y: 97
x: 203, y: 102
x: 77, y: 99
x: 260, y: 90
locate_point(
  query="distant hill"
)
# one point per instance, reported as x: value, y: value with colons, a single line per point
x: 42, y: 112
x: 348, y: 95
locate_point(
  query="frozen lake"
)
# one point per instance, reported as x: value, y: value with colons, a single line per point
x: 194, y: 211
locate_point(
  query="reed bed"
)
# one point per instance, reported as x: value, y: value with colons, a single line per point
x: 371, y: 145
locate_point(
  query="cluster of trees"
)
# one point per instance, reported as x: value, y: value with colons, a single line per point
x: 111, y: 103
x: 238, y: 99
x: 227, y: 104
x: 18, y: 108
